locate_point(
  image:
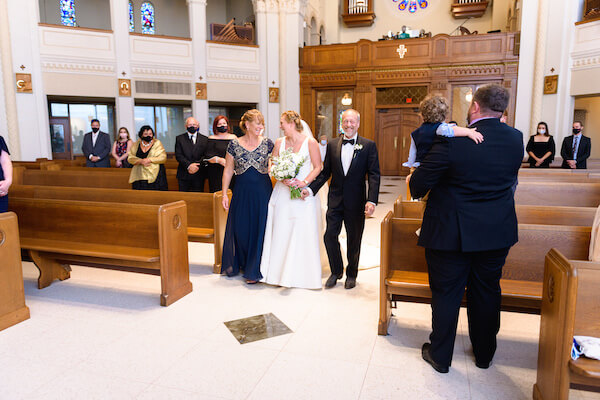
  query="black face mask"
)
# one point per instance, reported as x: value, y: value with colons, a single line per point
x: 147, y: 139
x: 192, y: 129
x: 576, y: 131
x: 221, y: 129
x: 95, y: 130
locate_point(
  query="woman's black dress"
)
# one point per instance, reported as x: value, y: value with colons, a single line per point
x: 161, y: 180
x: 216, y: 147
x: 540, y: 149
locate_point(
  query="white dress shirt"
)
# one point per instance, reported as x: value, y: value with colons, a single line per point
x: 323, y: 149
x: 193, y: 137
x: 94, y: 138
x: 348, y: 153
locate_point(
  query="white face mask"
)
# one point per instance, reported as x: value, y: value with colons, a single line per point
x: 541, y: 131
x: 323, y: 142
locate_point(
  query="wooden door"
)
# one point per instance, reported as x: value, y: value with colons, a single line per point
x: 60, y: 138
x: 393, y: 128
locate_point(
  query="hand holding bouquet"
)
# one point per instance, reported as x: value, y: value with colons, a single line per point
x: 287, y: 166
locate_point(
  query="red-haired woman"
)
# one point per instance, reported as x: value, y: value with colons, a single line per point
x: 216, y: 151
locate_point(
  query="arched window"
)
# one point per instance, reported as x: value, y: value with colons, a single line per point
x: 67, y: 12
x: 147, y: 10
x: 131, y: 22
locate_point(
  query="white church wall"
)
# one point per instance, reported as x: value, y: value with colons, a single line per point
x: 88, y: 13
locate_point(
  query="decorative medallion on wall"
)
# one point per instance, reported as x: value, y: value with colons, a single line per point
x: 411, y: 5
x: 550, y: 84
x: 273, y: 95
x: 201, y: 92
x: 23, y: 82
x: 125, y: 87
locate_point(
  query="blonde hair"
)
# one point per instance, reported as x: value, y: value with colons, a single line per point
x: 292, y: 116
x: 434, y: 108
x: 118, y: 135
x: 251, y: 116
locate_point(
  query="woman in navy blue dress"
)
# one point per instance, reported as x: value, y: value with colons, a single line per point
x: 248, y: 157
x: 5, y: 175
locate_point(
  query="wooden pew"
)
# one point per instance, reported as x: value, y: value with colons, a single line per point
x: 85, y: 177
x: 558, y: 194
x: 569, y: 308
x: 206, y: 217
x: 526, y: 214
x: 12, y: 296
x: 141, y: 238
x: 403, y: 268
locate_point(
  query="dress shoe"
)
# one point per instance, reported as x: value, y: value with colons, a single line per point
x: 427, y: 357
x: 331, y: 281
x: 483, y: 365
x: 350, y: 283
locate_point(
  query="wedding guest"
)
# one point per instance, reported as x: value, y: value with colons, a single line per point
x: 5, y: 175
x: 576, y: 149
x: 248, y: 156
x: 96, y: 147
x: 216, y: 151
x: 148, y: 157
x: 541, y: 147
x: 323, y: 146
x: 190, y: 149
x: 121, y: 147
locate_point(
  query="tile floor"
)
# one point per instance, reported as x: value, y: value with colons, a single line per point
x: 103, y: 335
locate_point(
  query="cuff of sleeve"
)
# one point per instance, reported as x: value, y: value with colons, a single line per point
x: 90, y: 157
x: 370, y: 202
x: 310, y: 191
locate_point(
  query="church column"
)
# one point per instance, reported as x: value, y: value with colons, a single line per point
x: 291, y: 17
x: 540, y: 61
x: 267, y: 26
x: 197, y: 12
x: 9, y: 122
x: 119, y: 10
x: 32, y: 108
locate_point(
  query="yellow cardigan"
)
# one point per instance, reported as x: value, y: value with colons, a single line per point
x: 157, y: 155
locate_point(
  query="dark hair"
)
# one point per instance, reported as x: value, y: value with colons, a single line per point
x: 216, y: 121
x: 492, y: 99
x: 94, y: 120
x: 144, y: 129
x: 578, y: 122
x: 546, y: 125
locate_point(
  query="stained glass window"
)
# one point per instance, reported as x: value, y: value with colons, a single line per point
x: 147, y: 18
x: 67, y: 12
x: 411, y: 5
x: 131, y: 23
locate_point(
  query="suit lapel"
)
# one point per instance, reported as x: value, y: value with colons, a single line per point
x: 339, y: 155
x: 355, y: 154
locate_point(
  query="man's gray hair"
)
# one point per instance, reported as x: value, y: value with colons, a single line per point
x: 354, y: 111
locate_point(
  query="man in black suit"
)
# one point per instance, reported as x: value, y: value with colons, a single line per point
x: 469, y: 225
x: 189, y: 152
x: 349, y: 160
x: 576, y: 148
x: 96, y: 147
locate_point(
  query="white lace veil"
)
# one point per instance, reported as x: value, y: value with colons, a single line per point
x: 306, y: 129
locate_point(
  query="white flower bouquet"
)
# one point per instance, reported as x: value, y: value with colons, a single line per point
x: 287, y: 166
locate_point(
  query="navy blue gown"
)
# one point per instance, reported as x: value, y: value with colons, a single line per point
x: 4, y: 199
x: 247, y: 218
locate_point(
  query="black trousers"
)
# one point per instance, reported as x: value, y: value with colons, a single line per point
x: 354, y: 221
x: 196, y: 184
x: 449, y: 273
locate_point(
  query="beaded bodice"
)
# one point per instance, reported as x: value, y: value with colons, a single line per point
x: 257, y: 158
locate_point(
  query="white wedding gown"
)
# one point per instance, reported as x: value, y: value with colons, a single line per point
x: 291, y: 254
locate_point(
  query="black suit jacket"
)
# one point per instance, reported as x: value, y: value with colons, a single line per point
x: 471, y: 204
x: 350, y: 191
x: 583, y: 152
x: 101, y: 149
x: 187, y: 153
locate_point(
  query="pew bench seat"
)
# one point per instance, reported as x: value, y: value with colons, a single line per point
x: 586, y: 367
x: 201, y: 235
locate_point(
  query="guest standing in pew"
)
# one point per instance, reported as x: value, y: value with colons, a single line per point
x: 469, y: 225
x: 96, y: 147
x: 148, y: 157
x: 576, y: 149
x: 5, y: 175
x: 249, y: 157
x: 121, y: 147
x: 541, y: 147
x: 216, y: 151
x: 190, y: 149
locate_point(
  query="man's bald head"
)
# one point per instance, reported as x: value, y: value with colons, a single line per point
x: 191, y: 121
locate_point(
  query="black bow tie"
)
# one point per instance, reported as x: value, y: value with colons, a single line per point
x: 347, y: 141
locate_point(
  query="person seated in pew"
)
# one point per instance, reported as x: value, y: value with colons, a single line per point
x: 121, y: 147
x: 148, y: 157
x: 541, y: 147
x: 5, y: 175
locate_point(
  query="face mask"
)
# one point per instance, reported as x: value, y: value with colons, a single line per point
x: 192, y: 129
x: 95, y: 130
x: 147, y: 139
x: 123, y: 136
x: 323, y: 142
x: 541, y: 131
x: 576, y: 131
x: 221, y: 129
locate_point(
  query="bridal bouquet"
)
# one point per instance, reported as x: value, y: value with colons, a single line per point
x: 287, y: 166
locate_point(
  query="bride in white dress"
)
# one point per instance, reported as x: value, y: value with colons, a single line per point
x: 291, y: 254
